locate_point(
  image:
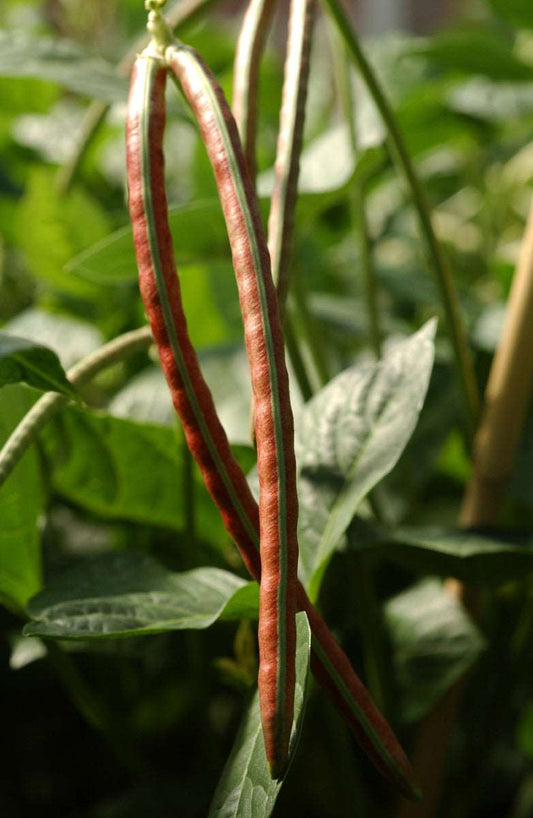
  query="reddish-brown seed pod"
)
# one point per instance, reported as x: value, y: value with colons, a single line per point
x: 193, y: 402
x: 160, y: 291
x: 278, y: 505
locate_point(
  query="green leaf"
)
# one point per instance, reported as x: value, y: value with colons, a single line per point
x: 120, y: 469
x: 21, y: 501
x: 474, y: 51
x: 433, y: 642
x: 59, y: 61
x: 127, y: 594
x: 349, y: 437
x: 517, y: 12
x: 198, y: 230
x: 70, y: 338
x: 23, y: 360
x: 468, y: 556
x: 51, y: 229
x: 246, y: 788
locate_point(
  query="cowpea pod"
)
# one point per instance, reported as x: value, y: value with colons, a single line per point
x: 161, y: 295
x: 276, y: 465
x: 250, y: 46
x: 193, y: 402
x: 284, y: 194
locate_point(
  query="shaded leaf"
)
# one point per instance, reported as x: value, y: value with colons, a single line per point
x: 127, y: 594
x: 433, y: 643
x: 246, y: 787
x: 468, y: 556
x: 349, y: 437
x: 60, y: 61
x: 23, y: 360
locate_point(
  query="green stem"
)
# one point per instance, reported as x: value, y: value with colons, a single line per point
x: 438, y: 260
x: 41, y: 412
x: 308, y: 326
x: 297, y: 362
x: 189, y: 497
x: 372, y: 636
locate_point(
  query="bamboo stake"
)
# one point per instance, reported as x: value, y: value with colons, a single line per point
x: 507, y: 399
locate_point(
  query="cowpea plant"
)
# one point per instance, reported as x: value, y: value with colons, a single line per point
x: 312, y: 505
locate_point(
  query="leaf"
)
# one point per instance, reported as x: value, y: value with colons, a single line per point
x: 121, y: 469
x: 246, y: 787
x: 328, y: 163
x: 51, y: 229
x: 21, y: 502
x: 23, y: 360
x: 198, y: 231
x: 59, y: 61
x: 468, y: 556
x: 517, y: 12
x: 433, y: 642
x: 127, y: 594
x: 474, y: 51
x: 70, y: 338
x: 350, y: 436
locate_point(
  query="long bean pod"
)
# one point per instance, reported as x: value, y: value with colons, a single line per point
x: 193, y: 402
x: 276, y: 464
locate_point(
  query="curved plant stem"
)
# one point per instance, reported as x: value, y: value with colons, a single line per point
x: 250, y: 46
x: 291, y: 126
x: 450, y: 301
x: 181, y: 14
x: 41, y: 412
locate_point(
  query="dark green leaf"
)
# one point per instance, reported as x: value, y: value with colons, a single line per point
x: 21, y: 501
x: 246, y: 789
x: 349, y: 437
x: 517, y: 12
x: 61, y: 62
x: 24, y: 361
x: 126, y: 594
x: 470, y: 557
x: 434, y: 643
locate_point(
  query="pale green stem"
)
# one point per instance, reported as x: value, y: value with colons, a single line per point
x: 450, y: 301
x: 41, y: 412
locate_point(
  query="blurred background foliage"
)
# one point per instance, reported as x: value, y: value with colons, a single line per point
x: 149, y: 722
